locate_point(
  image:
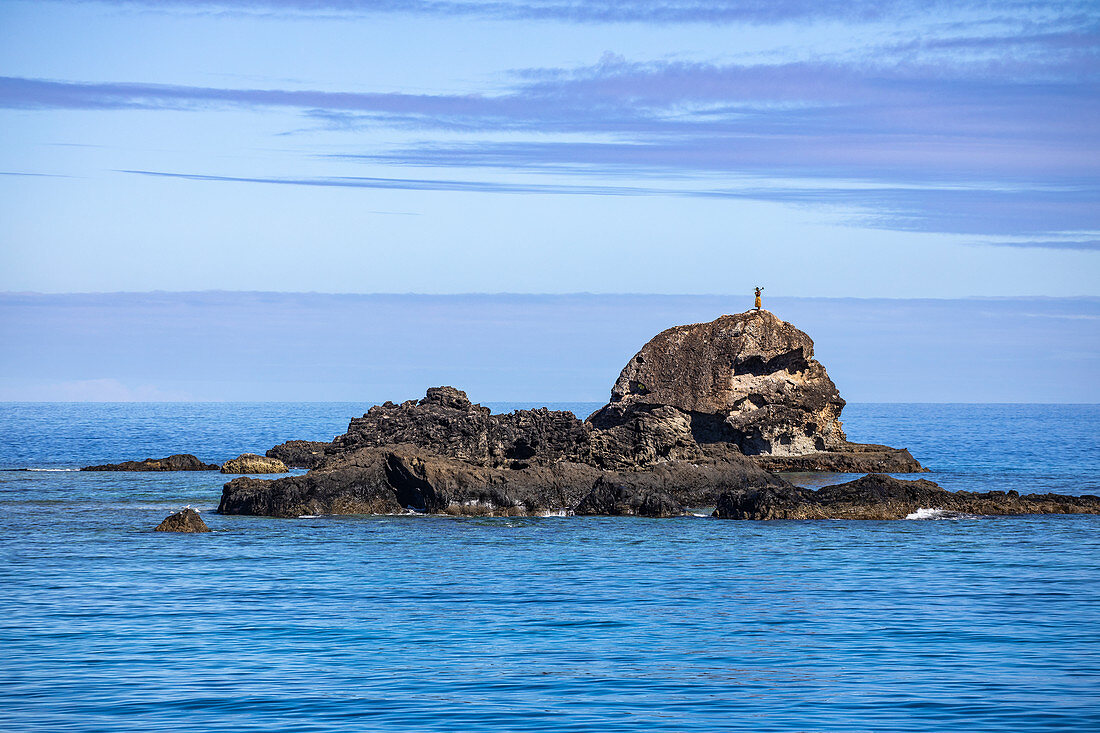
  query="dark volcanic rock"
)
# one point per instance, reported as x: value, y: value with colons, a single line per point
x: 178, y: 462
x: 446, y: 423
x: 877, y: 496
x: 187, y: 520
x: 299, y: 453
x: 609, y: 498
x: 633, y: 436
x: 766, y: 503
x: 854, y: 458
x: 398, y: 478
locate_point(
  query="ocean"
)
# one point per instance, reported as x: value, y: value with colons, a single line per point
x: 427, y: 623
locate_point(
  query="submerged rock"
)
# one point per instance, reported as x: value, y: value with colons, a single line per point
x: 252, y: 463
x: 877, y: 496
x: 177, y: 462
x: 187, y: 520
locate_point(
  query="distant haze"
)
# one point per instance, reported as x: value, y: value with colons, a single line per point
x: 551, y: 348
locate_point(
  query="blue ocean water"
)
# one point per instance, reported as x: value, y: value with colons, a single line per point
x: 421, y: 623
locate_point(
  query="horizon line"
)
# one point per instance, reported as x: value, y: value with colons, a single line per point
x: 505, y: 293
x: 848, y: 403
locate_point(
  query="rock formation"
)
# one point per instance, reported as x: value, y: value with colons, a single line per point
x: 877, y: 496
x: 299, y: 453
x: 399, y: 478
x: 748, y: 380
x: 751, y: 378
x: 446, y: 423
x: 252, y: 463
x: 187, y: 520
x: 700, y: 411
x: 177, y: 462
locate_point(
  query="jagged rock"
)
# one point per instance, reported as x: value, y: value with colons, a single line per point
x: 187, y: 520
x: 399, y: 478
x: 609, y: 498
x: 766, y: 503
x: 632, y: 436
x: 252, y: 463
x: 877, y: 496
x: 446, y: 423
x: 299, y: 453
x: 177, y: 462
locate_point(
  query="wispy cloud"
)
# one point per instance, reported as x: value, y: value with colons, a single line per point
x: 901, y: 209
x: 868, y: 120
x: 1085, y: 245
x: 33, y: 175
x: 988, y: 129
x: 618, y: 11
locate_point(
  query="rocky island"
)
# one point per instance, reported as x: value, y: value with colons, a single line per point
x: 706, y: 414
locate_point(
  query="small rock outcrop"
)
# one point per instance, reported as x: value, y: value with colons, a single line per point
x: 187, y: 520
x: 299, y: 453
x: 252, y: 463
x: 877, y: 496
x: 177, y: 462
x: 853, y: 458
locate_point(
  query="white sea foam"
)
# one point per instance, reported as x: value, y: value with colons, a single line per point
x: 308, y: 516
x: 927, y: 514
x: 940, y: 514
x: 555, y: 513
x: 52, y: 470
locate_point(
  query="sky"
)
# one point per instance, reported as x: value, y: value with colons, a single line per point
x: 877, y: 149
x: 357, y: 199
x: 533, y: 349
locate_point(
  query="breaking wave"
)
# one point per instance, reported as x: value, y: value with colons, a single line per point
x: 939, y: 514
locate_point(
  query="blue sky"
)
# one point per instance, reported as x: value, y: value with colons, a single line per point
x: 525, y: 348
x: 879, y: 149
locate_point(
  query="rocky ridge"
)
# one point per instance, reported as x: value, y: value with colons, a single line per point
x: 177, y: 462
x: 877, y: 496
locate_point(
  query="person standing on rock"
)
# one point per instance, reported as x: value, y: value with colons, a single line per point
x: 758, y: 291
